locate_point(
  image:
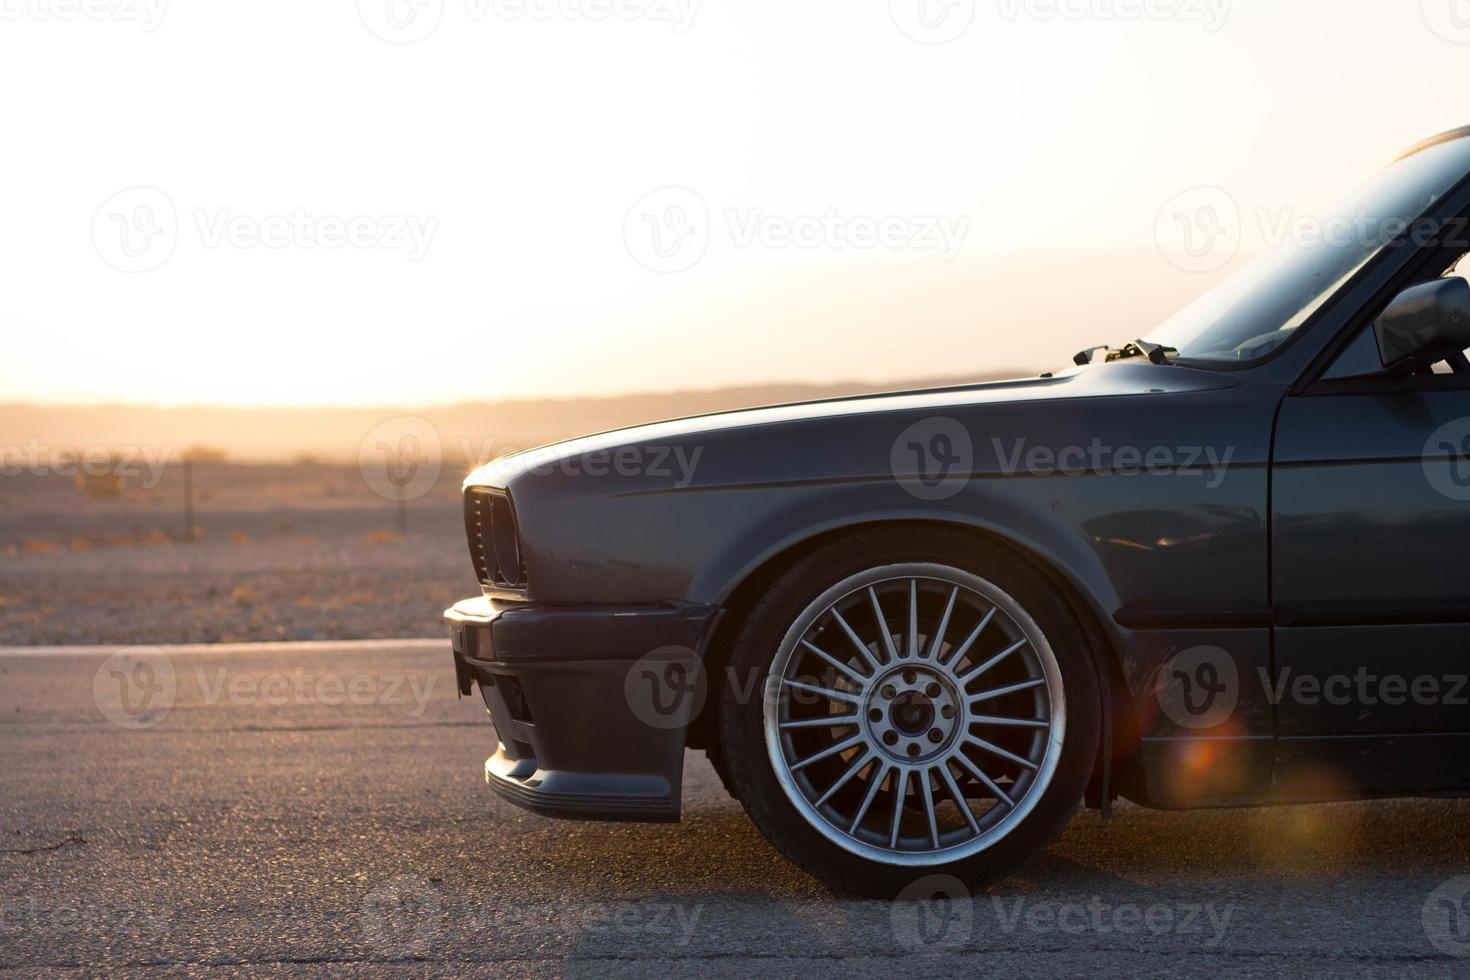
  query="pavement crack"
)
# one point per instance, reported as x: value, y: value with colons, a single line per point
x: 73, y: 839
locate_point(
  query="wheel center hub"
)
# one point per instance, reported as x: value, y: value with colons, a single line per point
x: 912, y: 712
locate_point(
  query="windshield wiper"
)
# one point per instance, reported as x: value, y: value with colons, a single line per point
x: 1157, y: 353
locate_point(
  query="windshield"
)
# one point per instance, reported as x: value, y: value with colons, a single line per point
x: 1255, y: 310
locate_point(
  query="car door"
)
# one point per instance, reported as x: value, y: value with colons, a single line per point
x: 1370, y: 531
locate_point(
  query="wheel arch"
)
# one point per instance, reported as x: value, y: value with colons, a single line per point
x: 1116, y: 762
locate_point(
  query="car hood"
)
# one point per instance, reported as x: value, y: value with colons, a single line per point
x: 1119, y: 378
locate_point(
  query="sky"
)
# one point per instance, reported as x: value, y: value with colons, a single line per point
x: 421, y: 202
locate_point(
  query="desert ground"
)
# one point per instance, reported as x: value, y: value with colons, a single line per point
x: 297, y: 551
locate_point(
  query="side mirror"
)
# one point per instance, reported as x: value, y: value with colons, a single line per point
x: 1425, y: 324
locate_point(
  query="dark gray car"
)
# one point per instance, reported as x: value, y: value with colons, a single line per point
x: 1216, y: 566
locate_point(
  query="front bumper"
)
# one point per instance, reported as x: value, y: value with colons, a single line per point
x: 590, y: 705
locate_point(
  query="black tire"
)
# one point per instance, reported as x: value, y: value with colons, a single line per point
x: 742, y: 725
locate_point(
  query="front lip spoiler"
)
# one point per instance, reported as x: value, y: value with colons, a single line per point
x: 573, y: 742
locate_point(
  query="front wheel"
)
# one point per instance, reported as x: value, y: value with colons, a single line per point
x: 924, y: 706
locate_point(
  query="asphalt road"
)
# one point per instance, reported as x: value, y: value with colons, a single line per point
x: 320, y: 808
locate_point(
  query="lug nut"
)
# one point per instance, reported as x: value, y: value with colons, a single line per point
x: 888, y: 692
x: 932, y: 690
x: 909, y: 677
x: 875, y: 715
x: 935, y: 735
x: 947, y: 711
x: 890, y: 738
x: 913, y: 749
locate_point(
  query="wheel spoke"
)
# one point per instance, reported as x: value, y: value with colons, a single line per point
x: 888, y: 646
x: 926, y: 791
x: 847, y: 671
x: 976, y: 672
x: 879, y: 774
x: 964, y: 648
x: 959, y: 798
x: 1008, y: 722
x: 911, y: 648
x: 825, y: 692
x: 862, y: 647
x: 943, y: 626
x: 1008, y: 689
x: 842, y: 780
x: 826, y: 721
x: 985, y: 780
x: 900, y: 786
x: 997, y: 750
x: 835, y: 749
